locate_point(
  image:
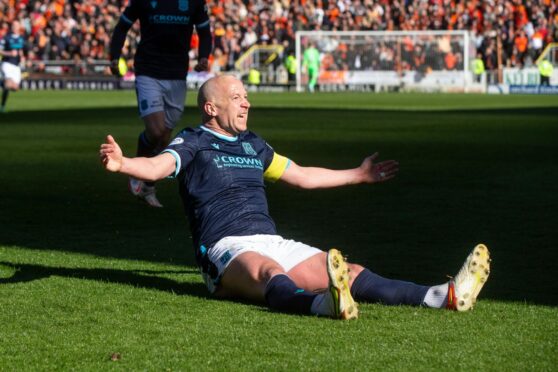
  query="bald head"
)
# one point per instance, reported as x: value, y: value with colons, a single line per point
x: 223, y: 102
x: 214, y: 90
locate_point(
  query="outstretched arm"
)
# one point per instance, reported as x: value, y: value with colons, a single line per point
x: 147, y: 169
x: 367, y: 172
x: 204, y: 49
x: 117, y: 41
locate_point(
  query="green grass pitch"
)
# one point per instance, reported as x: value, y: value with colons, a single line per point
x: 88, y: 274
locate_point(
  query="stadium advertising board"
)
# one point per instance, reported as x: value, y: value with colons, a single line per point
x: 526, y: 76
x: 533, y: 89
x: 195, y: 79
x: 410, y: 79
x: 70, y: 84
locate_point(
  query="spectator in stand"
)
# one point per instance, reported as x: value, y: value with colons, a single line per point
x: 250, y: 38
x: 487, y: 19
x: 521, y: 42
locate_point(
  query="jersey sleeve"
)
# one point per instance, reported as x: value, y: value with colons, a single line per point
x: 276, y: 168
x: 275, y: 164
x: 131, y: 12
x: 201, y: 17
x: 183, y: 147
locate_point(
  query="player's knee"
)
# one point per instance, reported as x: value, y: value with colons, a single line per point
x: 268, y: 270
x: 154, y: 132
x: 355, y: 270
x: 11, y: 85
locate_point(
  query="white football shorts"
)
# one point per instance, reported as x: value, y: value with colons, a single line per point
x: 161, y: 95
x: 287, y: 253
x: 11, y: 72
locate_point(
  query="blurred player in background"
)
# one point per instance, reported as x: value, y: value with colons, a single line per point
x: 311, y: 63
x: 161, y: 66
x: 221, y: 167
x: 11, y: 49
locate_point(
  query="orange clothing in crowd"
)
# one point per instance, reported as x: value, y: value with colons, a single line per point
x: 521, y: 43
x: 521, y: 18
x: 194, y: 41
x: 451, y: 60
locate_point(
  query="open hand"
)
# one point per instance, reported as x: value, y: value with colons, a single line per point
x: 378, y: 172
x: 111, y: 155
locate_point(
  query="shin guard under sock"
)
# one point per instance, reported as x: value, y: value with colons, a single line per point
x: 282, y: 294
x: 370, y: 287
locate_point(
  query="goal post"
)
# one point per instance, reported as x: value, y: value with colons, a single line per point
x: 390, y: 60
x: 549, y: 53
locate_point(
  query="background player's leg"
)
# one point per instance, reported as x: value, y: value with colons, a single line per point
x: 156, y: 135
x: 312, y: 79
x: 151, y: 142
x: 5, y: 93
x: 7, y: 86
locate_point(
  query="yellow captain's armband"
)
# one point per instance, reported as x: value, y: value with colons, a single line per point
x: 278, y: 166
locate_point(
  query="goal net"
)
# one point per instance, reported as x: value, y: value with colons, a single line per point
x: 395, y: 60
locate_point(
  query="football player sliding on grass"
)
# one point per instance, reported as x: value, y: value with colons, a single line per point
x: 221, y: 167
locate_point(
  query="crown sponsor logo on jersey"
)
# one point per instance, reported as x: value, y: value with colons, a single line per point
x: 183, y: 5
x: 217, y: 161
x: 169, y: 19
x: 248, y: 149
x: 154, y: 4
x: 225, y: 161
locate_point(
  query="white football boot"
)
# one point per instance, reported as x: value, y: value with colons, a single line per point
x: 341, y: 303
x: 466, y: 286
x: 145, y: 192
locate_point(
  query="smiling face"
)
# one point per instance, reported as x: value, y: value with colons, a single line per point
x: 224, y: 103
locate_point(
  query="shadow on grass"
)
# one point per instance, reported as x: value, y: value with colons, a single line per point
x: 148, y: 279
x: 57, y: 197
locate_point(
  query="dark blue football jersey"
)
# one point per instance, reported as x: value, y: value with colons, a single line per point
x: 166, y: 28
x: 221, y: 182
x: 12, y: 42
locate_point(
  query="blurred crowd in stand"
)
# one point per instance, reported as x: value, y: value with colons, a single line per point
x: 79, y: 30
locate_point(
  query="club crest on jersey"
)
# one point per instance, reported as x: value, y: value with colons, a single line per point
x: 183, y: 5
x: 177, y: 141
x: 248, y: 149
x: 154, y: 4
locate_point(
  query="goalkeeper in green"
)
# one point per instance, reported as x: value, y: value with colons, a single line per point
x: 311, y: 64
